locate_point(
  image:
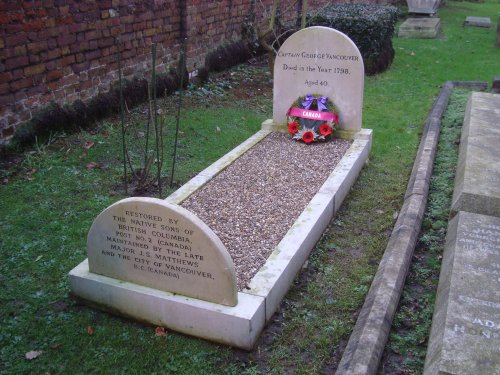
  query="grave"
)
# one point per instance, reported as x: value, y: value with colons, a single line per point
x: 465, y: 334
x: 154, y: 261
x: 477, y: 21
x: 424, y: 28
x: 477, y: 179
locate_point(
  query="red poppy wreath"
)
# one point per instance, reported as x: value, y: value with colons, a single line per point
x: 312, y: 118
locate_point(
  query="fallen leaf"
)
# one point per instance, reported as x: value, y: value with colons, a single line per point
x: 92, y: 165
x: 38, y: 258
x: 218, y: 129
x: 88, y: 144
x: 33, y: 354
x: 160, y: 331
x: 90, y: 330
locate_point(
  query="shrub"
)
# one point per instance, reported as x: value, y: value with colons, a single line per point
x: 370, y: 27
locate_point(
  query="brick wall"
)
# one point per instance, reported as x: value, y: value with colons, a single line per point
x: 64, y: 50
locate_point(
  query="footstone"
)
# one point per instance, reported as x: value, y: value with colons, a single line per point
x: 321, y: 61
x: 477, y: 21
x: 156, y: 244
x: 465, y: 334
x: 477, y: 180
x: 419, y: 28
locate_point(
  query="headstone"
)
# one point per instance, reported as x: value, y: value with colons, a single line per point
x: 419, y: 28
x: 153, y: 243
x: 320, y: 61
x: 465, y: 334
x: 477, y: 21
x: 477, y: 180
x: 423, y: 6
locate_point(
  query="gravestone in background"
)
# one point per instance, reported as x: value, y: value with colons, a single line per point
x: 323, y: 61
x: 478, y: 21
x: 423, y: 6
x: 424, y: 28
x: 465, y: 335
x: 150, y: 242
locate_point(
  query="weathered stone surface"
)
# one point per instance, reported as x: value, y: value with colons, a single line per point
x: 423, y: 6
x: 477, y: 21
x: 153, y: 243
x: 465, y: 335
x: 323, y: 61
x: 419, y: 28
x: 477, y: 181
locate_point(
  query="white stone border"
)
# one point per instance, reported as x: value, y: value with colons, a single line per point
x: 242, y: 324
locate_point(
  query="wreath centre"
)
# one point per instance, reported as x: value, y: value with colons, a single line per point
x: 312, y: 118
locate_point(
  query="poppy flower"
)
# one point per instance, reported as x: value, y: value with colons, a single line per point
x: 308, y: 137
x: 324, y: 129
x: 293, y: 127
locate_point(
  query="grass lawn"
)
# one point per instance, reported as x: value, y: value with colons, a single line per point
x: 48, y: 204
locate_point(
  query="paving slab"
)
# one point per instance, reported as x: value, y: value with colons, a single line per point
x: 465, y: 334
x: 424, y: 28
x: 477, y: 21
x: 477, y: 180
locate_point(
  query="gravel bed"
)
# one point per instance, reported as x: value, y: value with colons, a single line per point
x: 253, y: 203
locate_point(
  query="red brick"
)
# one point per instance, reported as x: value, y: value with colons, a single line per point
x: 34, y: 59
x: 16, y: 62
x: 34, y: 69
x: 67, y: 60
x: 66, y: 39
x: 21, y: 84
x: 36, y: 24
x: 5, y: 77
x: 54, y: 75
x: 37, y: 47
x: 15, y: 39
x: 91, y: 55
x: 77, y: 68
x: 4, y: 88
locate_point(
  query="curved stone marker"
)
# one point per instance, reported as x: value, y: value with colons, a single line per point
x: 323, y: 61
x: 152, y: 243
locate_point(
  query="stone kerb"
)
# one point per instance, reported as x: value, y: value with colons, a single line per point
x: 322, y: 61
x: 150, y: 242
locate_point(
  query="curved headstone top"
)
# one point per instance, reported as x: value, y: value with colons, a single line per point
x: 150, y: 242
x: 320, y: 60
